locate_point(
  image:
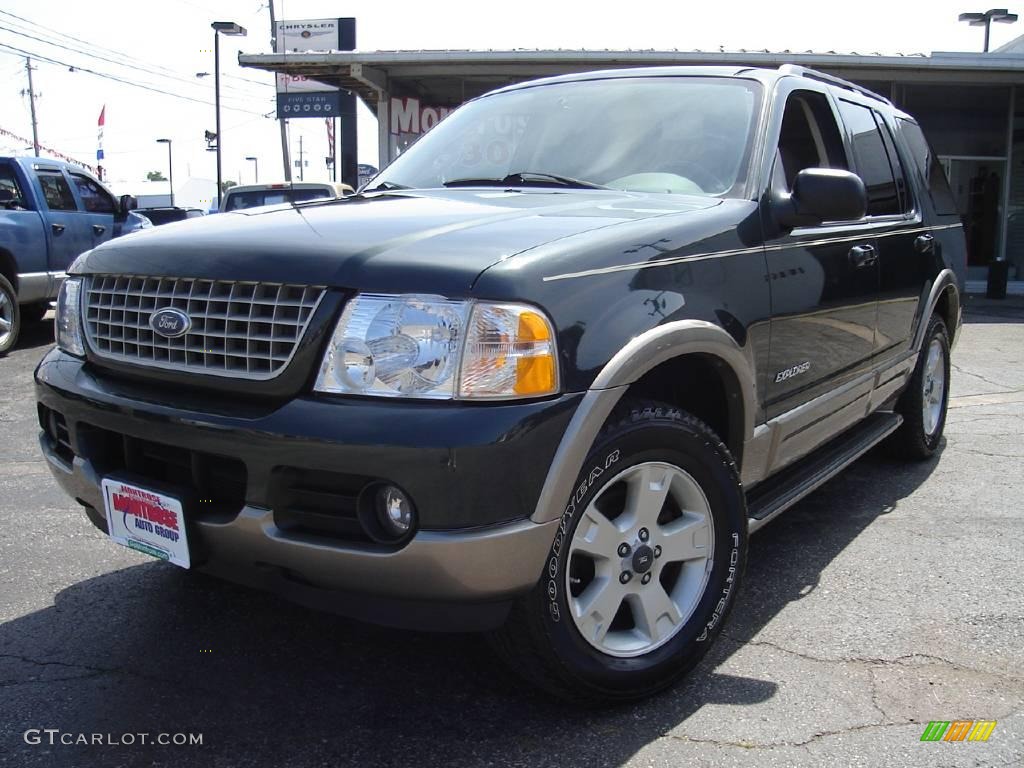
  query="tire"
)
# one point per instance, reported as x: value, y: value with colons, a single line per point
x: 34, y: 313
x: 10, y: 316
x: 617, y: 653
x: 919, y: 435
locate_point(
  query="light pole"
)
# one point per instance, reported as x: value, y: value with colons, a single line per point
x: 170, y: 166
x: 985, y: 20
x: 220, y: 28
x: 255, y: 169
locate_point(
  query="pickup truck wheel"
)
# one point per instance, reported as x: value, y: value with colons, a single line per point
x: 923, y: 403
x: 10, y: 316
x: 645, y: 565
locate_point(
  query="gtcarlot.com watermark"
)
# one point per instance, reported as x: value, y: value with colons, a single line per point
x: 54, y: 736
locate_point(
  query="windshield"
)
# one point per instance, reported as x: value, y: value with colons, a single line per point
x: 257, y: 197
x: 682, y: 135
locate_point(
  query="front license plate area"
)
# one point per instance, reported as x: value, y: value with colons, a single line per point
x: 147, y: 521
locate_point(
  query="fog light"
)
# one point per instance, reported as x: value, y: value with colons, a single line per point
x: 394, y: 510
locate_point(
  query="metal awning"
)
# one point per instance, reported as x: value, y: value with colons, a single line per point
x: 449, y: 77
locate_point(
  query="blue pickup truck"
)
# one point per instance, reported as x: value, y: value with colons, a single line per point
x: 50, y: 212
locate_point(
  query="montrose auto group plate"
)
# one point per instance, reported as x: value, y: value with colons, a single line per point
x: 146, y: 521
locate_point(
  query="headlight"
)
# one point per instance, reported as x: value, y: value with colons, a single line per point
x: 431, y: 347
x: 68, y: 318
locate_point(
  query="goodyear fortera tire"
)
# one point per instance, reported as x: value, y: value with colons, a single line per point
x: 923, y: 403
x: 658, y: 498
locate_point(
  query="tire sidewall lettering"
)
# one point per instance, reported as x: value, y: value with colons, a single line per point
x: 554, y: 568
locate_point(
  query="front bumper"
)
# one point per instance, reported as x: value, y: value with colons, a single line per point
x: 475, y: 549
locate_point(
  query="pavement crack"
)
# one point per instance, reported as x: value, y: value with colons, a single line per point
x: 876, y: 661
x: 49, y: 680
x: 987, y: 453
x: 1003, y: 385
x: 817, y: 736
x: 97, y: 672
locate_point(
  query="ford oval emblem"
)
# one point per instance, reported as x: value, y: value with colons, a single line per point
x: 170, y: 323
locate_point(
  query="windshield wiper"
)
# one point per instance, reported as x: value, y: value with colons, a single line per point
x: 523, y: 178
x: 386, y: 186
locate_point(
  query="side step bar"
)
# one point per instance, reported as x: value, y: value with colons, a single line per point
x: 777, y: 494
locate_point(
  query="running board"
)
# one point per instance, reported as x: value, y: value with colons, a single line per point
x: 777, y: 494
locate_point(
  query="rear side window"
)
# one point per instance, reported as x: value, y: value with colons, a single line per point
x: 809, y: 137
x: 902, y: 188
x: 56, y: 191
x: 871, y: 159
x: 11, y: 195
x: 930, y: 167
x: 257, y: 197
x: 94, y: 197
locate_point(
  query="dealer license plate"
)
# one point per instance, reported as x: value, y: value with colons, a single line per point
x: 146, y: 521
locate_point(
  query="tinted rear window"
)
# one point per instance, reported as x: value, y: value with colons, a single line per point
x: 257, y: 197
x: 930, y: 167
x: 162, y: 217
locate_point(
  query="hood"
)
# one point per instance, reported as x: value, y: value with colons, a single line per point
x: 435, y: 241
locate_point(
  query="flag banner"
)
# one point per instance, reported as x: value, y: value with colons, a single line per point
x: 99, y: 133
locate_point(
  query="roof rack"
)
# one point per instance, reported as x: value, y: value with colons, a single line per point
x: 813, y: 74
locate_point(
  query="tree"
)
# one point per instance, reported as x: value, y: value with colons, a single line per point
x: 155, y: 176
x: 228, y: 184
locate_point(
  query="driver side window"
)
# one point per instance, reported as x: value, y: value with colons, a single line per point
x: 809, y: 138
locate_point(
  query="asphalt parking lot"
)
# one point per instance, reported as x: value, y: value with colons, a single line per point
x: 889, y: 598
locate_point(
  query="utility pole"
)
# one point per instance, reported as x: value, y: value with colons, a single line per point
x: 32, y: 105
x: 216, y: 99
x: 302, y: 159
x: 285, y: 154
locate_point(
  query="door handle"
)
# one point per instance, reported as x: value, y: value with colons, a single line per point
x: 57, y: 228
x: 863, y: 256
x: 99, y: 229
x: 924, y: 244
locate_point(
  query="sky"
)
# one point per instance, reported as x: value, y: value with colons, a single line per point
x: 163, y: 45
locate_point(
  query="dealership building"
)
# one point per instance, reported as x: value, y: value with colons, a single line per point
x: 971, y: 106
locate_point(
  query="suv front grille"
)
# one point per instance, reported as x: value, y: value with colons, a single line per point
x: 239, y: 329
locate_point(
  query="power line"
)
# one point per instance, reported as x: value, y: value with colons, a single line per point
x: 243, y: 94
x: 121, y: 80
x: 103, y: 58
x: 133, y: 60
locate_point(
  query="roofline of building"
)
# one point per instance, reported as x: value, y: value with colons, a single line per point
x: 937, y: 60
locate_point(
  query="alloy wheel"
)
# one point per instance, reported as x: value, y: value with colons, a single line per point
x: 640, y: 559
x: 934, y: 384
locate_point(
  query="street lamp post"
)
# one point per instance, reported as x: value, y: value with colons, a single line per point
x: 985, y: 20
x: 170, y: 166
x: 220, y: 28
x: 255, y: 169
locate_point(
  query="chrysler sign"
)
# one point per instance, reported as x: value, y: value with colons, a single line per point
x: 315, y: 35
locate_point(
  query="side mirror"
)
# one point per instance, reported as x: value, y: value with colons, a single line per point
x: 822, y: 194
x: 127, y: 203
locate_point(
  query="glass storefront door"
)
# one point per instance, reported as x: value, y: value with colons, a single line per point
x: 977, y: 184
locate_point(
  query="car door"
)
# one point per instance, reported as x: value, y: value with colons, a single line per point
x: 896, y: 222
x: 824, y: 279
x: 98, y: 205
x: 21, y: 227
x: 66, y: 229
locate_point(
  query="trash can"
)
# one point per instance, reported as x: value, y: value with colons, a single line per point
x: 998, y: 271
